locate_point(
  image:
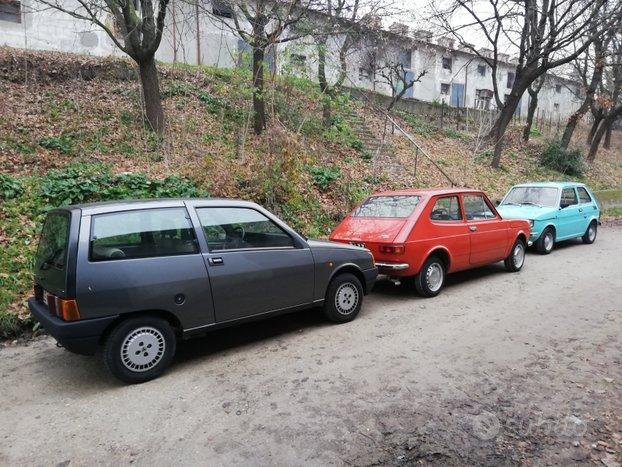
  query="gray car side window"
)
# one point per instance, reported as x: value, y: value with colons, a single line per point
x: 142, y: 233
x: 235, y: 228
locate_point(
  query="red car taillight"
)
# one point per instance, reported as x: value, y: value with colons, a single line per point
x: 392, y: 249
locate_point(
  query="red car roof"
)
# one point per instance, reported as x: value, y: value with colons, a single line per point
x: 427, y: 191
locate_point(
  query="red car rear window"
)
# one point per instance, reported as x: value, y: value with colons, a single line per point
x: 399, y: 206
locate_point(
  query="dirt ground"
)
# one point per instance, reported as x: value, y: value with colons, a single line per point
x: 499, y: 369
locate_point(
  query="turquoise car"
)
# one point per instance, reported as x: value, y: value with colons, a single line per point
x: 556, y: 210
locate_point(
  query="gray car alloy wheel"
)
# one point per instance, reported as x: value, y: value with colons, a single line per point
x: 591, y: 232
x: 346, y: 298
x: 548, y: 241
x: 434, y: 277
x: 518, y: 255
x: 142, y: 349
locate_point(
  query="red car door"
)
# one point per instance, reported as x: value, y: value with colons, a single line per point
x: 488, y: 233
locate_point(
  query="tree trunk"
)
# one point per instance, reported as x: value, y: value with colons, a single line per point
x: 151, y: 94
x: 501, y: 124
x: 324, y: 86
x: 572, y: 124
x: 595, y: 142
x: 607, y: 142
x: 597, y: 119
x: 259, y: 104
x: 604, y: 126
x: 531, y: 110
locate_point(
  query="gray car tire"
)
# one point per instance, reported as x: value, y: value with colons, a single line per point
x: 344, y: 298
x: 140, y: 349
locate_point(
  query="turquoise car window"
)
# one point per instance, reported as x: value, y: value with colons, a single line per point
x: 537, y: 195
x: 569, y: 197
x: 584, y: 196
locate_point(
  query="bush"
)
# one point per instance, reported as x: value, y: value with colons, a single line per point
x: 324, y: 176
x: 418, y: 125
x: 63, y: 143
x: 566, y: 161
x: 78, y: 183
x: 10, y: 187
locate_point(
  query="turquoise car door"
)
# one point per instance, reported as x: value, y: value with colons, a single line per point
x: 587, y: 208
x: 569, y: 219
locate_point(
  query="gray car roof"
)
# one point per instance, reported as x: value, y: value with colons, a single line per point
x: 126, y: 205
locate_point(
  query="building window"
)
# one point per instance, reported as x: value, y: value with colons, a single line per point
x: 558, y: 88
x: 364, y: 74
x: 444, y: 88
x: 483, y: 97
x: 222, y: 9
x: 11, y: 10
x: 481, y: 70
x: 510, y: 82
x: 299, y: 59
x: 556, y: 106
x: 446, y: 63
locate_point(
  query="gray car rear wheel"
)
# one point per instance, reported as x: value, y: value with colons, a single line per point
x: 344, y: 298
x: 139, y: 349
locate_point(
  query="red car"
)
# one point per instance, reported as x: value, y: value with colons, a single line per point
x: 421, y: 235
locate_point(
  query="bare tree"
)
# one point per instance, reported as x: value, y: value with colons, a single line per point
x: 136, y: 30
x: 589, y: 67
x: 533, y: 90
x: 395, y: 71
x: 263, y: 24
x: 341, y: 29
x: 540, y: 32
x: 610, y: 101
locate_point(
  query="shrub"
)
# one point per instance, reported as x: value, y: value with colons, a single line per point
x: 10, y: 187
x: 63, y: 143
x: 533, y: 131
x: 79, y: 183
x: 419, y: 126
x: 566, y: 161
x: 324, y: 176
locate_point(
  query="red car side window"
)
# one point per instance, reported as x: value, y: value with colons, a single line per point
x: 446, y: 209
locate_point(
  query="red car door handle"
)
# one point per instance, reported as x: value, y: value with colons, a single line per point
x: 473, y: 228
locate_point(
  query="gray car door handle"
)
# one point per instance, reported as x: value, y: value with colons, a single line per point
x: 473, y: 228
x: 216, y: 261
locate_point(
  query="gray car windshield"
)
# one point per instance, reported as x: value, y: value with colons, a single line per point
x: 387, y: 206
x: 536, y: 195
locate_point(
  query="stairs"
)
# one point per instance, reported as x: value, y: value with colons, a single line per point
x: 382, y: 152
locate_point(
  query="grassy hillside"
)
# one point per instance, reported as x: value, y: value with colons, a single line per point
x: 72, y: 132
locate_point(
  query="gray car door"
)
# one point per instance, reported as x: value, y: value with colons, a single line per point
x: 254, y: 265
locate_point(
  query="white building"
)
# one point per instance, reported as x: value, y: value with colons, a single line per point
x: 454, y: 76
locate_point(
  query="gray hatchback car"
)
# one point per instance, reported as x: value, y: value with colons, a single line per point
x: 135, y: 276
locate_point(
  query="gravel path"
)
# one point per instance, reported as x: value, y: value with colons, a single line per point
x: 499, y: 369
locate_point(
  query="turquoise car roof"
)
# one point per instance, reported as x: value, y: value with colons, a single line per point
x: 551, y: 184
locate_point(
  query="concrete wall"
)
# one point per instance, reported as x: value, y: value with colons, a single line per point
x: 216, y: 45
